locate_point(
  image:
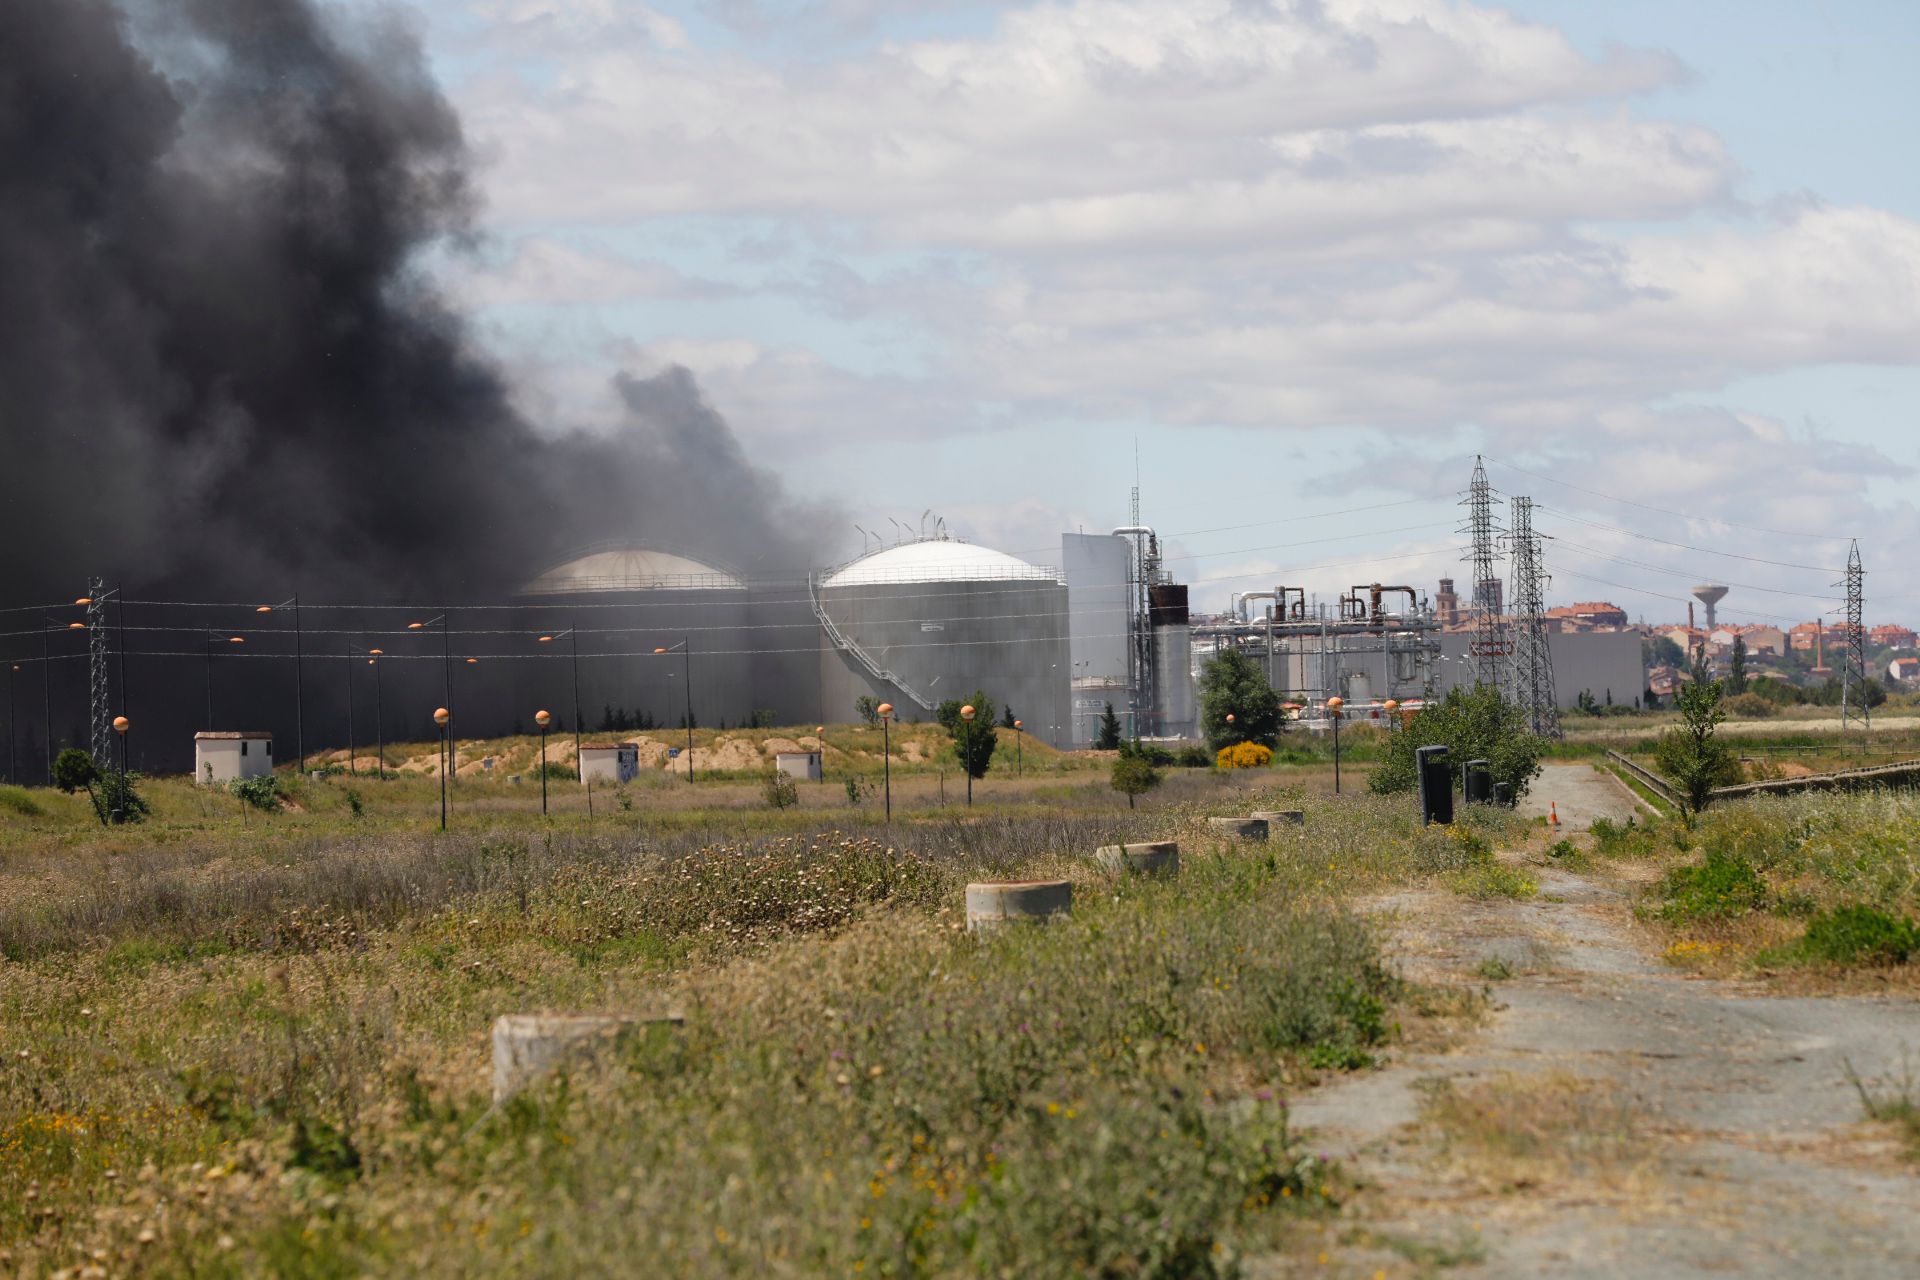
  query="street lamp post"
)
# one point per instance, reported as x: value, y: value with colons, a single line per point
x: 446, y: 666
x: 13, y: 775
x: 966, y: 715
x: 820, y: 734
x: 299, y: 691
x: 352, y: 746
x: 543, y: 719
x: 886, y: 755
x: 209, y: 646
x: 1019, y: 750
x: 572, y: 633
x: 443, y: 718
x: 1333, y: 709
x: 686, y: 648
x: 379, y: 715
x: 120, y: 726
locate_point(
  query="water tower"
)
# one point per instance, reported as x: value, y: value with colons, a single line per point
x: 1709, y: 596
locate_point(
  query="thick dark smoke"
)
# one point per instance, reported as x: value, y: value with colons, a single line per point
x: 220, y: 371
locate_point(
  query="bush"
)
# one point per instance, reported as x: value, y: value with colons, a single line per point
x: 1244, y: 755
x: 1860, y: 935
x: 262, y: 792
x: 780, y: 791
x: 980, y: 739
x: 1473, y: 724
x: 1622, y: 839
x: 1750, y: 706
x: 1722, y: 886
x: 19, y: 800
x: 1691, y: 754
x: 1493, y: 880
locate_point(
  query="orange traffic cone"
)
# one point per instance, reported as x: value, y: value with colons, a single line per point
x: 1553, y: 814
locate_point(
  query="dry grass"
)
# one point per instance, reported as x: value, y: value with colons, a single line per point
x: 1516, y: 1133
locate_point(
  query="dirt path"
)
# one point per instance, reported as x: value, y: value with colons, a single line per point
x: 1614, y: 1116
x: 1581, y: 793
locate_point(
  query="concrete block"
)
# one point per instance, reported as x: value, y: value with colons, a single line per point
x: 996, y: 902
x: 1240, y: 828
x: 1297, y: 817
x: 1150, y: 858
x: 528, y: 1045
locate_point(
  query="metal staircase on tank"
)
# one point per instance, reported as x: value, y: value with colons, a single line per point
x: 865, y: 659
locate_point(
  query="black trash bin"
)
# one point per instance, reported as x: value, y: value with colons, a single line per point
x: 1436, y: 785
x: 1476, y: 782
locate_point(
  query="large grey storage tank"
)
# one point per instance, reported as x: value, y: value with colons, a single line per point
x: 925, y: 621
x: 628, y: 600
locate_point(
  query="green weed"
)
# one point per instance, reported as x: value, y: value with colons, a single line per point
x: 1722, y: 886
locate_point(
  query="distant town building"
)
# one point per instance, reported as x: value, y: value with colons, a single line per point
x: 1762, y: 639
x: 1446, y: 604
x: 1889, y: 636
x: 1904, y: 670
x: 1590, y: 614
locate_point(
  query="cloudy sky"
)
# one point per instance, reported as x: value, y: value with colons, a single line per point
x: 1659, y: 262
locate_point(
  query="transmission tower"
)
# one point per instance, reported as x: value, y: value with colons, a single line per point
x: 100, y: 700
x: 1532, y: 657
x: 1484, y: 530
x: 1853, y: 668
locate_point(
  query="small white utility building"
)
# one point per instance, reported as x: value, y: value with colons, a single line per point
x: 226, y: 757
x: 803, y: 766
x: 614, y: 762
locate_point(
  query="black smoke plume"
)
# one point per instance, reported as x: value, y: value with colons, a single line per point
x: 222, y: 374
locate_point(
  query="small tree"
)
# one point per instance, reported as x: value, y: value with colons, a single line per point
x: 1231, y: 684
x: 984, y: 736
x: 1108, y: 739
x: 1585, y: 703
x: 1006, y: 717
x: 1691, y: 755
x: 74, y: 769
x: 1133, y: 772
x: 867, y: 707
x: 1702, y: 668
x: 1737, y: 668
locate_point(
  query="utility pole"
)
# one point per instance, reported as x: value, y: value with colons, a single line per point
x: 1853, y: 667
x: 1483, y: 528
x: 1533, y: 688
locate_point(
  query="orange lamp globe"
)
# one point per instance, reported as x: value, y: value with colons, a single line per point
x: 84, y: 600
x: 885, y: 709
x: 967, y: 712
x: 659, y: 650
x: 378, y: 653
x: 120, y: 724
x: 235, y: 640
x: 415, y: 626
x: 546, y: 639
x: 265, y: 608
x: 543, y: 718
x: 819, y: 729
x: 1230, y: 717
x: 1390, y: 705
x: 76, y: 626
x: 1334, y: 705
x: 472, y: 661
x: 441, y: 716
x: 1019, y: 724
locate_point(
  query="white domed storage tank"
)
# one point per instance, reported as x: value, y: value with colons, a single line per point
x: 924, y: 621
x: 626, y: 601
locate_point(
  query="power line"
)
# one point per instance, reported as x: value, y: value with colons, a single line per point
x: 1668, y: 542
x: 1646, y: 506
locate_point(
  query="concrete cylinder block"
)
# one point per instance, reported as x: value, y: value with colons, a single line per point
x: 1150, y: 858
x: 996, y: 902
x: 1274, y: 817
x: 1240, y: 828
x: 528, y: 1045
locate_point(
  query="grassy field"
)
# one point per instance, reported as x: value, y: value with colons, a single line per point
x: 242, y: 1042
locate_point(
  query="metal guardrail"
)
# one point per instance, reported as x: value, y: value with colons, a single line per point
x: 1645, y: 777
x: 1836, y: 780
x: 865, y: 659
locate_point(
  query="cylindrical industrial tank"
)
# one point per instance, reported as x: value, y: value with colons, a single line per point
x: 924, y: 621
x: 626, y: 601
x: 1172, y: 661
